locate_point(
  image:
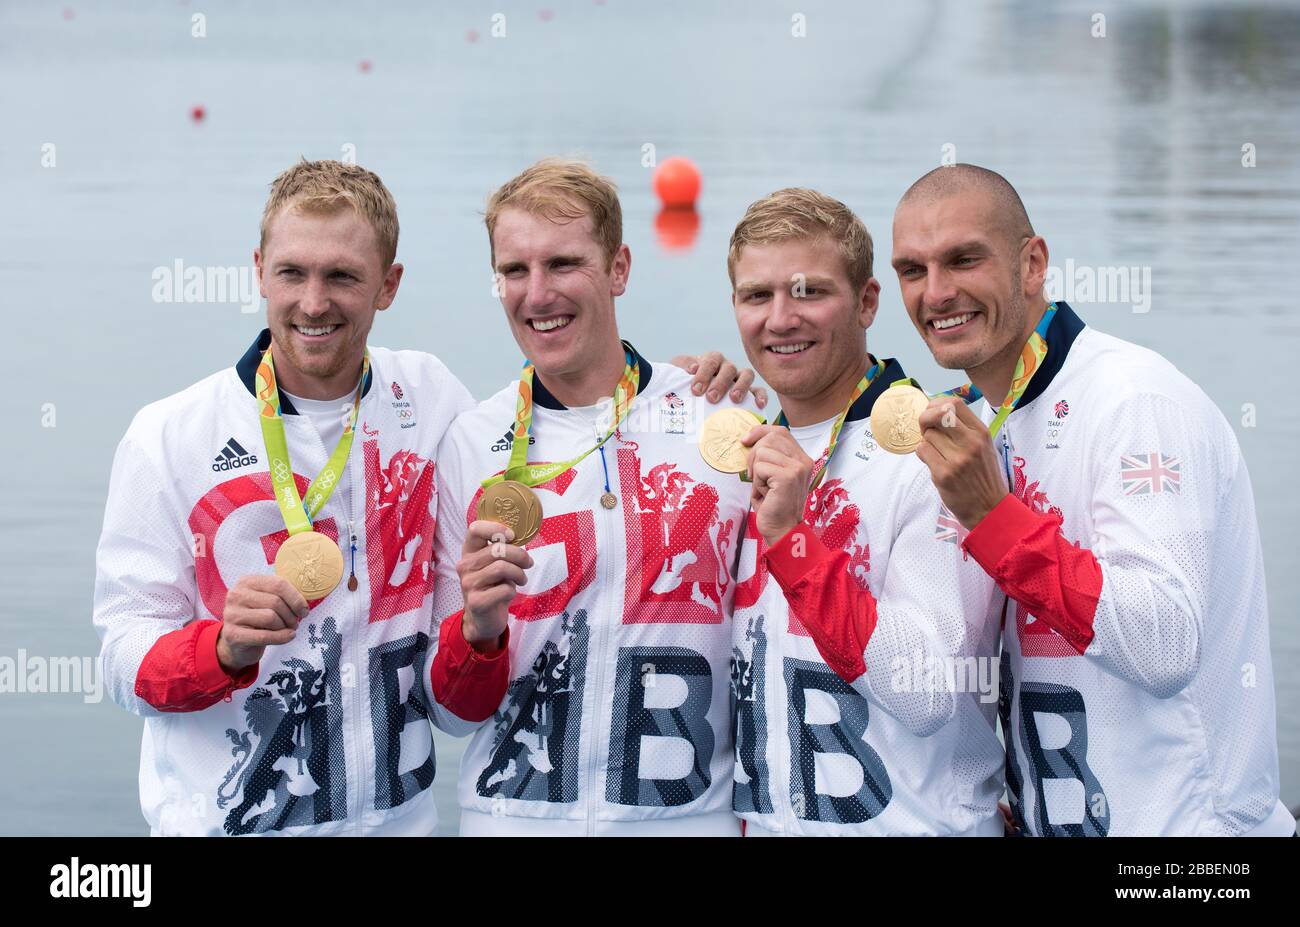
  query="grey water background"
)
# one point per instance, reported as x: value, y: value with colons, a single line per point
x: 1127, y: 150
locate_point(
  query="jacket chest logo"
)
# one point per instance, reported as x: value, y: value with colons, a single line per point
x: 1056, y: 425
x: 673, y: 414
x: 402, y: 407
x: 866, y: 447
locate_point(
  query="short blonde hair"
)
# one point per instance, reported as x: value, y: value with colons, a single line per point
x: 327, y: 186
x: 562, y: 190
x: 797, y: 212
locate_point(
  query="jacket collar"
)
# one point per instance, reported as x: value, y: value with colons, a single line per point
x: 1065, y: 327
x: 861, y: 407
x: 542, y: 396
x: 247, y: 370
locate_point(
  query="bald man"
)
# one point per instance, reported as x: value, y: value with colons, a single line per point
x: 1106, y: 496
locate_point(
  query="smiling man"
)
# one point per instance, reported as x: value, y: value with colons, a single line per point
x: 614, y: 601
x: 850, y: 624
x: 264, y: 584
x: 1113, y: 509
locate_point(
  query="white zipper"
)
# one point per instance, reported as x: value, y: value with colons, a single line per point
x: 777, y: 635
x: 597, y: 736
x: 352, y: 551
x: 1006, y: 454
x: 360, y: 754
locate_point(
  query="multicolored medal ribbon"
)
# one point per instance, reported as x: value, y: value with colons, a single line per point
x: 1031, y: 358
x: 895, y: 416
x: 308, y: 559
x: 508, y: 497
x: 820, y: 465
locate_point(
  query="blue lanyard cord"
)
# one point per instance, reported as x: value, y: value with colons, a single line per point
x: 1006, y: 460
x: 605, y: 465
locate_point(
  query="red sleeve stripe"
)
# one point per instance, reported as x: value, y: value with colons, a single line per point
x: 181, y: 671
x: 467, y: 683
x: 838, y: 613
x: 1031, y: 561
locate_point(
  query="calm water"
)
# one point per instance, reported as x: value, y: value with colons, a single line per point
x: 1127, y: 150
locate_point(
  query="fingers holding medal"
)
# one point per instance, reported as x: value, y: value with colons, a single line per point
x: 781, y: 473
x: 963, y: 463
x: 491, y: 569
x: 260, y: 611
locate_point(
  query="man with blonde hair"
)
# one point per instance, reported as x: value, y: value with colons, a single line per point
x: 582, y: 534
x: 283, y: 703
x: 864, y: 696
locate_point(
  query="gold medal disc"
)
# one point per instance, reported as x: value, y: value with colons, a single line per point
x: 895, y: 418
x: 311, y: 562
x: 608, y: 500
x: 514, y: 505
x: 720, y: 437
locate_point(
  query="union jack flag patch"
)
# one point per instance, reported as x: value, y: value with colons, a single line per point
x: 948, y: 528
x: 1149, y: 473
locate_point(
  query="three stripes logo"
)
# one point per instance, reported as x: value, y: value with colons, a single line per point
x: 504, y: 442
x: 232, y: 457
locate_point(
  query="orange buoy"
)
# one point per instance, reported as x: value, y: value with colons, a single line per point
x: 365, y: 65
x: 677, y: 181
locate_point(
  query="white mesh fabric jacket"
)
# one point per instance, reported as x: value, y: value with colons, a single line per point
x: 332, y: 736
x: 616, y: 720
x: 1165, y: 724
x: 909, y: 747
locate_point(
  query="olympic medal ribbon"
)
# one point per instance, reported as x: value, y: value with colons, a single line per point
x: 518, y: 470
x: 299, y: 514
x: 1029, y: 363
x: 820, y: 465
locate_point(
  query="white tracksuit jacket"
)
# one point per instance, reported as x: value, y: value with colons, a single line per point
x: 1138, y: 686
x: 864, y: 672
x: 617, y: 717
x: 330, y: 733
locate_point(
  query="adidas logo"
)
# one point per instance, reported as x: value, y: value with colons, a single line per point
x: 504, y: 442
x: 232, y: 457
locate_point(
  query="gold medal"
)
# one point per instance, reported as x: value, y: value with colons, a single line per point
x: 720, y: 437
x: 608, y: 500
x: 311, y: 562
x: 895, y: 418
x: 514, y: 505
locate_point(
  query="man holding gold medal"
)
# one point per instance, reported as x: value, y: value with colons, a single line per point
x: 1114, y: 511
x: 223, y: 560
x: 581, y: 533
x: 849, y: 619
x: 273, y: 524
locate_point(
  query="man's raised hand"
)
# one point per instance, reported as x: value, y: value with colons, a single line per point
x: 780, y: 471
x: 955, y: 445
x: 260, y: 611
x: 491, y: 570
